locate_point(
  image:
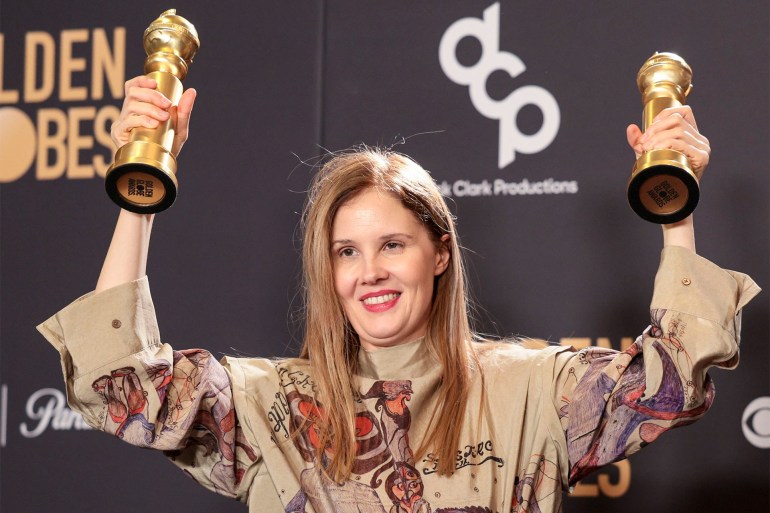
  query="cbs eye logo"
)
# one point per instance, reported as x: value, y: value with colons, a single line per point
x: 487, y: 32
x: 756, y: 422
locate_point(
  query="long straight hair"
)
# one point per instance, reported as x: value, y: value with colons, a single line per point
x: 330, y: 343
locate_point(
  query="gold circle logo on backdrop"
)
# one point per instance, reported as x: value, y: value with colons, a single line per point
x: 17, y: 143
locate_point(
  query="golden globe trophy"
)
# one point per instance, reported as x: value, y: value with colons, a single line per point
x: 143, y: 177
x: 662, y: 188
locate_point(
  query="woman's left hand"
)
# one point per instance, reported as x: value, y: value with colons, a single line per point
x: 675, y: 129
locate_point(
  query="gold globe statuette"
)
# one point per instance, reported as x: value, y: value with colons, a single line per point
x: 663, y: 188
x: 142, y: 178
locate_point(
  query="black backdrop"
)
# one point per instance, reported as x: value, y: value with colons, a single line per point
x: 281, y: 82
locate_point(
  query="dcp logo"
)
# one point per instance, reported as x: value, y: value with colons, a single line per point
x: 756, y: 422
x: 487, y: 32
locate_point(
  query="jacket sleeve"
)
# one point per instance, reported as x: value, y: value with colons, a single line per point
x: 611, y: 403
x: 124, y: 381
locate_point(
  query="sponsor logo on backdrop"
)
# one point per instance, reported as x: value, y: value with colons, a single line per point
x: 53, y: 117
x: 46, y: 409
x: 511, y: 139
x: 756, y: 422
x: 499, y: 187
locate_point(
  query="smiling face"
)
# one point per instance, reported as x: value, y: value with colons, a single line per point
x: 385, y: 263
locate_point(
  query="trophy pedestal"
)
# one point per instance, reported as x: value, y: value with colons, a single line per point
x: 662, y: 188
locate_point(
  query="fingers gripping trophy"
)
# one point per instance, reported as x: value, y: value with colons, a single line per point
x: 663, y: 188
x: 142, y: 178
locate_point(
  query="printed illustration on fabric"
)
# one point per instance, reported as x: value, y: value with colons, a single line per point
x: 384, y: 459
x: 620, y: 408
x: 191, y: 415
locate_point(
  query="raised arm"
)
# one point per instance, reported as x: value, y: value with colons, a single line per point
x: 143, y: 106
x: 675, y: 129
x: 611, y: 403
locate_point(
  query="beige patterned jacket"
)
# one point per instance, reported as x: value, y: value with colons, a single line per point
x: 549, y: 416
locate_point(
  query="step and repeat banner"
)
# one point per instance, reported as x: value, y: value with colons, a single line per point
x: 518, y: 109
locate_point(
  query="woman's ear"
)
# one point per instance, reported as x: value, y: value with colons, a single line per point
x: 443, y: 254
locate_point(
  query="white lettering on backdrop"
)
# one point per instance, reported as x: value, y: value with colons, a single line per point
x: 48, y: 409
x: 487, y: 32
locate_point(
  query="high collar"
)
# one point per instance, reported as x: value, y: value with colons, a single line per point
x: 408, y: 360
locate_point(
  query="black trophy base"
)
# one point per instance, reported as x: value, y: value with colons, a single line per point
x: 663, y: 194
x: 141, y: 188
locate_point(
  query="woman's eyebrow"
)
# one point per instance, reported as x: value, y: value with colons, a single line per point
x: 397, y: 235
x: 385, y: 237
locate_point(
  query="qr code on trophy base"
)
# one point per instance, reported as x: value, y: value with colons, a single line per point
x: 140, y: 187
x: 663, y: 193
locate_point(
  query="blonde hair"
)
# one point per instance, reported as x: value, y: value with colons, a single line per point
x: 330, y: 343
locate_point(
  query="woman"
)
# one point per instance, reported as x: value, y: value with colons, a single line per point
x: 393, y: 404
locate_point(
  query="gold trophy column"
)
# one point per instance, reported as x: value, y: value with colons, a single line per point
x: 143, y: 177
x: 662, y: 188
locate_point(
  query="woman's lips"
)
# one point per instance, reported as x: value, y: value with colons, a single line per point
x: 380, y: 301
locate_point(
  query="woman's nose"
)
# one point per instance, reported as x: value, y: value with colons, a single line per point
x: 373, y: 271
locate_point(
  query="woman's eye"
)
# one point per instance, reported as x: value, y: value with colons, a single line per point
x: 393, y: 245
x: 346, y: 252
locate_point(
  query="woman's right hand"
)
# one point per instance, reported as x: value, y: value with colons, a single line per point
x: 145, y: 106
